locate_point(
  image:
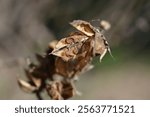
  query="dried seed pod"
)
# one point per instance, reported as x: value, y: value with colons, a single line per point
x: 69, y: 69
x: 99, y: 44
x: 85, y: 57
x: 66, y: 58
x: 68, y: 48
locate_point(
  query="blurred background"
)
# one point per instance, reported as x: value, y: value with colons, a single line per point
x: 27, y: 26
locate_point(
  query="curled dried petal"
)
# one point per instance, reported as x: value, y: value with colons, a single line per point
x: 84, y: 27
x: 26, y: 86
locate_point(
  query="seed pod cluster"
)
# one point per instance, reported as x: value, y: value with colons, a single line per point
x: 64, y: 61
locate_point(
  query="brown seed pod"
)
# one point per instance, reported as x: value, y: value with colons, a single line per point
x: 66, y: 58
x: 100, y: 45
x: 68, y: 48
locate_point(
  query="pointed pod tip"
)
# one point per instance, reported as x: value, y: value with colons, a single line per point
x: 109, y: 50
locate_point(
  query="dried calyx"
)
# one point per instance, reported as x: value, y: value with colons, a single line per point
x: 65, y: 60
